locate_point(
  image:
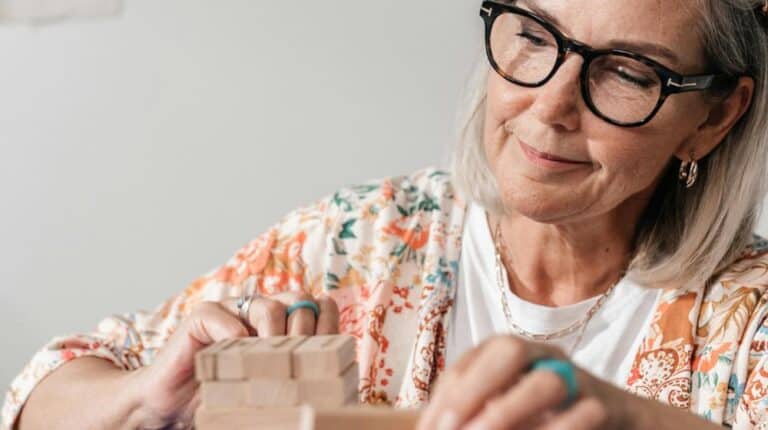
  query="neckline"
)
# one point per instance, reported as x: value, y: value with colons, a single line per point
x: 625, y: 288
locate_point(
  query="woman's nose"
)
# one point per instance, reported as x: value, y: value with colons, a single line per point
x: 557, y: 102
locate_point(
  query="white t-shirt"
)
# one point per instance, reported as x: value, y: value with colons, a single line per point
x: 611, y: 337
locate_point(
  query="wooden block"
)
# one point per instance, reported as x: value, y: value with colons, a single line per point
x: 321, y: 356
x: 247, y: 358
x: 330, y: 392
x: 307, y: 418
x: 272, y: 393
x: 354, y: 398
x: 224, y: 394
x: 205, y: 360
x: 314, y: 357
x: 270, y: 357
x: 229, y: 361
x: 358, y: 418
x: 248, y: 418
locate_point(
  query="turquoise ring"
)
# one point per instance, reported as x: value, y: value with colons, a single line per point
x: 304, y: 304
x: 563, y: 369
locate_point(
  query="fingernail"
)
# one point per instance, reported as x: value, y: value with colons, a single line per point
x: 448, y: 421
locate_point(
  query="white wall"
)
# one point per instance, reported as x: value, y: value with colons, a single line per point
x: 46, y: 11
x: 138, y: 152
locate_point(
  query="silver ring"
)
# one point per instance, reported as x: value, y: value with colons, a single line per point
x: 243, y: 307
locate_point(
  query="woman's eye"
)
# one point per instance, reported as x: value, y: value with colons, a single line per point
x: 535, y: 40
x: 633, y: 78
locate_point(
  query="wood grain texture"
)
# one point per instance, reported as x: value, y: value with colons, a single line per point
x: 248, y: 418
x: 307, y: 418
x: 358, y: 418
x: 272, y: 393
x: 260, y: 372
x: 269, y: 357
x: 330, y: 391
x: 205, y: 360
x: 247, y: 358
x: 321, y: 356
x: 224, y: 394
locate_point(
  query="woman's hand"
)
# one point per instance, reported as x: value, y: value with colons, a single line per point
x: 491, y: 387
x: 168, y: 389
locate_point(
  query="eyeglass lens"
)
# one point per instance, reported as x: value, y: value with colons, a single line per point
x: 621, y: 88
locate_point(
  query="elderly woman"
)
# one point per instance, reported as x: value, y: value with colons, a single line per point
x: 588, y: 262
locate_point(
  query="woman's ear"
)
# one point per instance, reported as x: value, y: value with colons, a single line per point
x: 722, y: 116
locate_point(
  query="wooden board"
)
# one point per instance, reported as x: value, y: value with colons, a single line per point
x: 307, y: 418
x: 358, y: 418
x: 248, y: 418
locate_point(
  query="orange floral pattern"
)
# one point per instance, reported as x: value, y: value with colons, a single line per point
x: 387, y: 251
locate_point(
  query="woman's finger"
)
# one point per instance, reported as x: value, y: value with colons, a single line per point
x: 585, y: 414
x: 493, y: 369
x: 268, y: 317
x: 537, y: 392
x: 499, y: 364
x: 328, y: 320
x: 451, y: 375
x: 168, y: 384
x: 211, y: 322
x: 447, y: 381
x: 301, y: 321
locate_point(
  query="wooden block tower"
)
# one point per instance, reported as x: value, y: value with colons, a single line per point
x: 265, y: 381
x: 287, y: 383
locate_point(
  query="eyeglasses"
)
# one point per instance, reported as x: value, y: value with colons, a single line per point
x: 621, y: 87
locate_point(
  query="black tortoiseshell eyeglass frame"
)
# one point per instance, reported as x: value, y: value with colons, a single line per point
x: 671, y: 82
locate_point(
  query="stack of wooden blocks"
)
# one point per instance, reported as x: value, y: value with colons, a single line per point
x: 296, y: 383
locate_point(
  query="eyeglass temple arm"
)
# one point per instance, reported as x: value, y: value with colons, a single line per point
x: 487, y: 11
x: 681, y: 84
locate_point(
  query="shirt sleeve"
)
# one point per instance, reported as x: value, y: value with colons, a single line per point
x: 288, y: 256
x: 751, y: 394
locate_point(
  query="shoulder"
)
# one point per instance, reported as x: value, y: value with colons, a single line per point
x: 425, y: 197
x: 750, y: 268
x: 741, y: 288
x: 405, y: 224
x: 425, y: 185
x: 731, y: 334
x: 757, y: 249
x: 371, y: 202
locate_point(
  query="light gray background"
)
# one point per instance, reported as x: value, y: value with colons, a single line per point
x: 138, y: 152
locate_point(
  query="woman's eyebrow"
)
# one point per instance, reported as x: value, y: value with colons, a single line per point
x: 535, y: 8
x: 645, y: 48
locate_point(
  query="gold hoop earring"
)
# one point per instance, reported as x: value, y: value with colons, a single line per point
x: 689, y: 171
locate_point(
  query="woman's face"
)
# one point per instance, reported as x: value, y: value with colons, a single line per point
x: 614, y: 165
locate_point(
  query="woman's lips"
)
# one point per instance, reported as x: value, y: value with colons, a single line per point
x: 548, y: 160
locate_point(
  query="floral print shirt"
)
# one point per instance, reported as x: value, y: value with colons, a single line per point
x: 387, y: 251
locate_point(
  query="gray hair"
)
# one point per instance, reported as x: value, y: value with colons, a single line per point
x: 686, y: 236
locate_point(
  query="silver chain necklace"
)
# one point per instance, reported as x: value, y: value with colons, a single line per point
x: 579, y: 325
